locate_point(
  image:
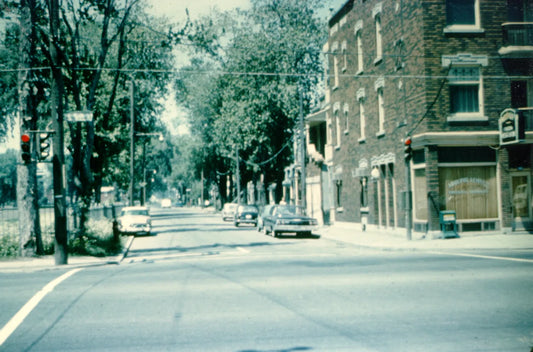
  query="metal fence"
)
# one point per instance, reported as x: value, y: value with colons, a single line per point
x: 9, y: 219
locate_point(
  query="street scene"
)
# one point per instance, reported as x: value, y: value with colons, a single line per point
x: 266, y: 175
x: 198, y: 283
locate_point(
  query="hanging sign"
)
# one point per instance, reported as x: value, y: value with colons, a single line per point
x: 511, y: 127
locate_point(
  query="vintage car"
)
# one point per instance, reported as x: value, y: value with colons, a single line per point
x: 288, y: 219
x: 135, y: 221
x: 246, y: 214
x: 228, y: 211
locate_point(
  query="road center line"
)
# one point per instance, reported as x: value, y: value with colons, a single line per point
x: 522, y: 260
x: 18, y: 318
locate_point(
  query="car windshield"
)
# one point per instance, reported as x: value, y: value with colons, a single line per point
x: 289, y: 210
x: 135, y: 212
x: 247, y: 208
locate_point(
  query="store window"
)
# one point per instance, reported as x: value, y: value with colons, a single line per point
x: 420, y: 204
x: 469, y: 190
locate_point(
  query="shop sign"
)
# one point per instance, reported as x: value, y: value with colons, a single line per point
x: 511, y: 127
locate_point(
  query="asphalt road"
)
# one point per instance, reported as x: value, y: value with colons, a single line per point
x: 200, y: 284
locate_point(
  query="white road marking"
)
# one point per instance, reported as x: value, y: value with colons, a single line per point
x: 484, y: 256
x: 240, y: 249
x: 18, y: 318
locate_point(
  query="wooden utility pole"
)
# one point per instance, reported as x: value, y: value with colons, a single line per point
x: 58, y: 161
x: 27, y: 187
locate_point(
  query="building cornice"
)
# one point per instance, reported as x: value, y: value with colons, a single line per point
x: 471, y: 139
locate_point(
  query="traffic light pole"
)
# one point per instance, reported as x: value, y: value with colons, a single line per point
x: 408, y: 194
x: 56, y: 88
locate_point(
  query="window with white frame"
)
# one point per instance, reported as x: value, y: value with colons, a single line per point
x: 462, y: 16
x: 466, y: 93
x: 376, y: 13
x: 362, y: 118
x: 344, y: 56
x: 334, y: 50
x: 336, y: 108
x: 379, y: 87
x: 359, y: 40
x: 346, y: 110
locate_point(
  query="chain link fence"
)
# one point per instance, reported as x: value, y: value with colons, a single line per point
x: 9, y: 222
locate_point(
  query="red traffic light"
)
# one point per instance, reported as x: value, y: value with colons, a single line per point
x: 25, y: 138
x: 407, y: 141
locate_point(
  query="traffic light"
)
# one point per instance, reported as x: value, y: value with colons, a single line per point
x: 407, y: 149
x: 25, y: 147
x: 44, y: 146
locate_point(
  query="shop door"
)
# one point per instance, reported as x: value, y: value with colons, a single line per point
x: 521, y: 200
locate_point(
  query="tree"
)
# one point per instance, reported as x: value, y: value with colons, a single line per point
x: 271, y: 56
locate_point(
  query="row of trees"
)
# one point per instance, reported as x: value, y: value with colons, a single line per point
x: 86, y: 53
x: 251, y: 74
x: 244, y: 91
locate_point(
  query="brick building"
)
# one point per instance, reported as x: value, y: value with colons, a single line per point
x: 454, y: 77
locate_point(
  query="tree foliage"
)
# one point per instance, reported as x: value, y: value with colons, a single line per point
x: 246, y: 95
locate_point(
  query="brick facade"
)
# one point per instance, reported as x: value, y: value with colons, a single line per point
x: 408, y: 90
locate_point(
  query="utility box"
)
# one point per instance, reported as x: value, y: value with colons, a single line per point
x: 448, y: 224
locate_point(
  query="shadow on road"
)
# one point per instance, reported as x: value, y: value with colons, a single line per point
x: 210, y: 248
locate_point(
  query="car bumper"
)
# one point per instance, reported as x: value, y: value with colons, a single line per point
x: 135, y: 230
x: 295, y: 228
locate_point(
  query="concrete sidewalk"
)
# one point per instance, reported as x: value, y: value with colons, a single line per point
x: 48, y: 262
x: 397, y: 239
x: 340, y: 231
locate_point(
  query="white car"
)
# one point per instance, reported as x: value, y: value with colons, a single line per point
x: 135, y: 221
x: 166, y: 203
x: 228, y: 212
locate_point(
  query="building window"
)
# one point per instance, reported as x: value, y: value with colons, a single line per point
x: 336, y: 72
x: 364, y: 191
x: 359, y: 41
x: 362, y: 118
x: 379, y: 87
x: 376, y: 14
x: 344, y: 56
x: 420, y: 203
x: 338, y: 194
x: 335, y: 49
x: 462, y: 16
x: 379, y: 47
x: 346, y: 110
x: 466, y: 93
x: 336, y: 108
x: 469, y: 190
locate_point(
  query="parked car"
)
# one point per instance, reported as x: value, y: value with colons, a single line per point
x: 228, y: 211
x: 135, y: 221
x: 265, y: 211
x: 288, y: 219
x: 246, y: 214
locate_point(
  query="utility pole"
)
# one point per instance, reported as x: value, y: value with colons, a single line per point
x: 27, y: 187
x: 302, y: 154
x: 132, y: 145
x: 238, y: 174
x: 408, y: 194
x: 58, y: 161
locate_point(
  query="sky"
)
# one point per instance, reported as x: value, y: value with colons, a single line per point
x: 174, y: 10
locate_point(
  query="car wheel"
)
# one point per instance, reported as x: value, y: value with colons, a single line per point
x: 275, y: 234
x: 236, y: 224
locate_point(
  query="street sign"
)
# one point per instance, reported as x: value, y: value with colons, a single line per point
x: 79, y: 116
